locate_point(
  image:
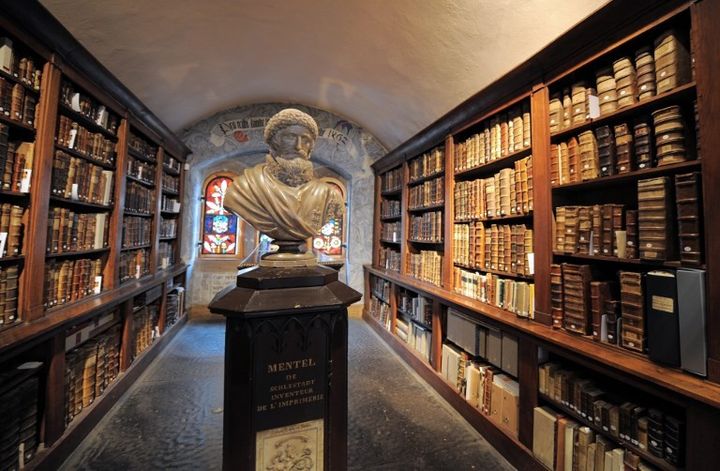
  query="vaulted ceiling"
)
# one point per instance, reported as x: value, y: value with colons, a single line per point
x: 392, y: 66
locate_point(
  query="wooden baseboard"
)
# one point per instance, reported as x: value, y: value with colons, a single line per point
x: 51, y: 458
x: 511, y: 448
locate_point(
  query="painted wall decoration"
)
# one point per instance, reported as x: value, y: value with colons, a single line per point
x: 232, y: 140
x: 219, y: 226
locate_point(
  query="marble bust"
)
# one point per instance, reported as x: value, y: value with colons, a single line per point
x: 281, y: 197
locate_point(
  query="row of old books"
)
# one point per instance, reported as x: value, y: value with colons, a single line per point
x: 631, y: 79
x: 77, y: 179
x: 380, y: 311
x: 16, y: 161
x: 89, y: 369
x: 427, y: 228
x: 8, y: 295
x: 514, y: 296
x: 87, y: 106
x: 170, y: 183
x: 381, y: 288
x: 430, y: 193
x: 175, y: 305
x: 19, y: 65
x: 661, y: 312
x: 508, y: 192
x: 622, y: 148
x: 145, y: 327
x: 134, y: 264
x: 136, y: 231
x: 71, y: 280
x: 139, y: 199
x: 500, y: 136
x: 69, y: 231
x: 430, y: 163
x: 417, y: 337
x: 486, y: 387
x: 417, y: 307
x: 11, y: 230
x: 426, y: 266
x: 390, y: 209
x: 171, y: 163
x: 166, y: 255
x: 168, y: 227
x: 506, y: 248
x: 666, y: 226
x: 20, y: 412
x: 16, y: 103
x: 391, y: 180
x: 389, y: 258
x: 169, y: 205
x: 390, y: 231
x: 604, y: 417
x: 141, y: 170
x: 93, y: 145
x: 142, y: 147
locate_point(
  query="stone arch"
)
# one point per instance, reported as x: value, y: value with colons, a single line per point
x: 232, y: 140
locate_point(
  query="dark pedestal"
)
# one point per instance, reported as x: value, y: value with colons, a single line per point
x: 285, y: 369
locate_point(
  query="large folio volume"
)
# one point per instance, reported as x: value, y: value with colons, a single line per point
x: 662, y: 317
x: 691, y: 314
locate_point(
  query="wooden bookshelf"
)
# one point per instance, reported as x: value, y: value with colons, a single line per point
x: 576, y: 56
x: 39, y: 333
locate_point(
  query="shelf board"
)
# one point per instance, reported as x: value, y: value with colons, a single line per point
x: 628, y: 177
x: 649, y: 457
x: 390, y: 218
x: 12, y: 259
x: 672, y: 380
x: 167, y: 191
x: 14, y: 79
x: 86, y: 122
x: 171, y: 171
x: 79, y: 204
x: 23, y: 128
x: 425, y: 178
x: 422, y: 209
x: 511, y: 217
x: 78, y: 253
x: 392, y: 192
x: 495, y: 272
x: 130, y: 212
x: 385, y: 241
x: 144, y: 183
x: 492, y: 166
x: 628, y: 261
x: 137, y: 155
x: 170, y: 213
x: 80, y: 155
x: 14, y: 194
x: 683, y: 91
x: 136, y: 247
x: 168, y: 238
x: 145, y: 277
x: 427, y: 242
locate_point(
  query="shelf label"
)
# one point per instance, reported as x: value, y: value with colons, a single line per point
x: 74, y: 192
x: 25, y: 181
x: 3, y: 240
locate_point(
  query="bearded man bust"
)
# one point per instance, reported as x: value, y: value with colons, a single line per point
x: 281, y: 197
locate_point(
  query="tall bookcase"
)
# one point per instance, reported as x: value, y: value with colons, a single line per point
x: 91, y: 283
x: 583, y: 168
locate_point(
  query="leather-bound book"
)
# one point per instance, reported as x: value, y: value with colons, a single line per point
x: 674, y: 433
x: 689, y: 215
x: 607, y: 231
x: 669, y: 129
x: 564, y: 163
x: 526, y: 124
x: 623, y: 148
x: 610, y: 317
x: 672, y: 61
x: 663, y: 329
x: 600, y: 293
x: 14, y: 243
x: 618, y: 223
x: 589, y: 159
x: 656, y: 432
x: 505, y: 191
x: 17, y: 99
x: 633, y: 312
x: 625, y: 81
x: 576, y: 298
x: 571, y: 229
x: 544, y: 430
x: 584, y: 230
x: 631, y: 229
x: 573, y: 159
x: 644, y: 145
x: 560, y: 229
x: 656, y: 227
x: 578, y: 99
x: 567, y: 106
x: 606, y: 90
x: 29, y: 110
x: 645, y: 68
x: 554, y: 165
x: 556, y: 295
x: 597, y: 221
x: 529, y: 166
x: 606, y: 150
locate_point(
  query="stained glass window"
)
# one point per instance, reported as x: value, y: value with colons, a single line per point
x: 220, y: 227
x: 330, y: 239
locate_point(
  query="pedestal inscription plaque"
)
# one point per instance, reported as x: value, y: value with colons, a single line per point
x: 285, y: 369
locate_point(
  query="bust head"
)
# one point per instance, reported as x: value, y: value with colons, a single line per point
x: 291, y: 134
